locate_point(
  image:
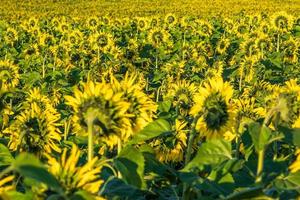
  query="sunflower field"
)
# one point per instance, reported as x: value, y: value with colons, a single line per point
x: 166, y: 106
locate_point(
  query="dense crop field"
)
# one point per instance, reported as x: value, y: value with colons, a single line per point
x: 151, y: 102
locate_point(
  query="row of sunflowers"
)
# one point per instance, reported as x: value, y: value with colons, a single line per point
x: 150, y: 107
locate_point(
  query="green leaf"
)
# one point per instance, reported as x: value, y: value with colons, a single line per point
x: 164, y: 106
x: 152, y: 130
x: 82, y: 195
x: 29, y: 166
x: 114, y: 188
x: 289, y: 182
x: 211, y: 153
x: 18, y: 195
x: 260, y: 135
x: 292, y: 136
x: 131, y: 163
x: 5, y: 156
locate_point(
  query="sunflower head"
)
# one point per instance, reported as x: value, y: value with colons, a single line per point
x: 11, y: 35
x: 99, y: 103
x: 182, y: 94
x: 102, y: 41
x: 9, y: 76
x: 213, y: 109
x: 170, y: 19
x: 282, y: 22
x: 170, y: 148
x: 74, y: 176
x: 158, y: 37
x: 35, y: 130
x: 92, y: 22
x: 222, y: 45
x: 141, y: 106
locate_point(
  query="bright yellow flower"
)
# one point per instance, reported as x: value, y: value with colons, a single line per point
x: 73, y: 176
x: 214, y: 108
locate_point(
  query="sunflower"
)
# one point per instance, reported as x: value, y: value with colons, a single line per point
x: 47, y: 40
x: 249, y: 109
x: 222, y: 45
x: 215, y: 112
x: 247, y: 68
x: 249, y: 48
x: 33, y: 22
x: 74, y: 176
x: 264, y: 27
x: 228, y: 25
x: 158, y: 37
x: 295, y: 166
x: 142, y: 107
x: 106, y: 109
x: 205, y: 28
x: 282, y: 22
x: 241, y: 30
x: 170, y: 148
x: 264, y: 44
x: 102, y: 41
x: 181, y: 93
x: 290, y: 49
x: 142, y: 24
x: 170, y: 20
x: 11, y: 35
x: 34, y: 130
x: 9, y: 76
x: 64, y: 27
x: 92, y: 22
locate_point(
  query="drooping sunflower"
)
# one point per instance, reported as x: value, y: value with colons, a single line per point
x: 105, y: 107
x: 291, y: 51
x: 34, y: 130
x: 11, y: 35
x: 170, y: 148
x: 9, y: 75
x: 264, y: 44
x: 228, y: 25
x: 170, y: 20
x: 181, y: 93
x: 282, y: 22
x: 213, y: 109
x: 74, y: 176
x: 142, y: 107
x: 249, y: 48
x: 222, y: 45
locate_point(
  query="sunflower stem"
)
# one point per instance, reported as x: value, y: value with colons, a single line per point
x: 119, y: 151
x: 241, y: 78
x: 43, y: 68
x: 90, y: 140
x: 260, y: 166
x: 278, y: 42
x: 188, y: 154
